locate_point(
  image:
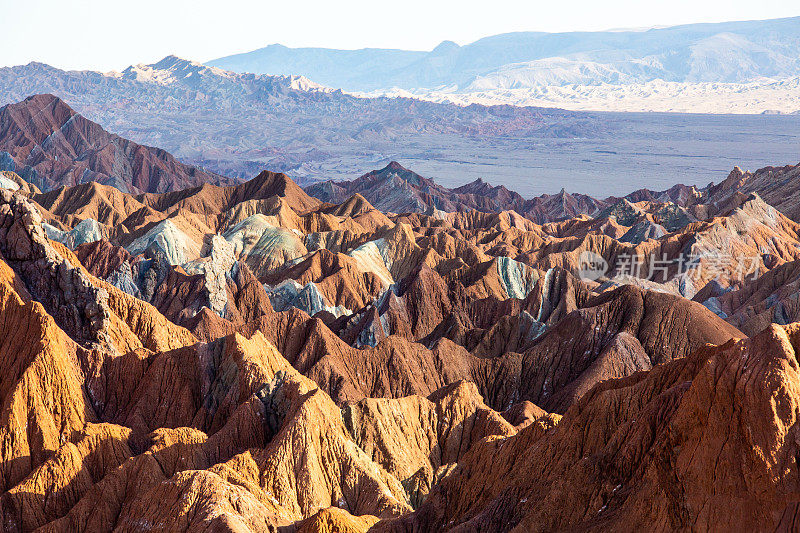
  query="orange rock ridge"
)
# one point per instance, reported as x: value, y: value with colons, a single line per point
x: 269, y: 362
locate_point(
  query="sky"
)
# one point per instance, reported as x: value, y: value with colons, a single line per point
x: 110, y: 34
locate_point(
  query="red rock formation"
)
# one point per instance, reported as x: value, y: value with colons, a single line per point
x: 53, y: 146
x: 101, y: 258
x: 772, y: 298
x: 777, y: 186
x: 156, y: 386
x: 397, y: 189
x: 707, y: 441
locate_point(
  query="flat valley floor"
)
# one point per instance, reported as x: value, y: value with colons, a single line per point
x: 626, y: 151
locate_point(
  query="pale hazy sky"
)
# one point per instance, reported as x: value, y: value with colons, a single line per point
x: 111, y: 34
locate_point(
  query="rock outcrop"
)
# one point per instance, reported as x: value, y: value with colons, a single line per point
x: 53, y: 146
x: 707, y: 441
x: 250, y: 358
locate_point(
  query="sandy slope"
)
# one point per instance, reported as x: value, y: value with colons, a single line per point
x: 739, y: 98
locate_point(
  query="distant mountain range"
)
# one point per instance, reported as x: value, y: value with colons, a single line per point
x: 730, y: 52
x: 239, y: 124
x: 397, y: 189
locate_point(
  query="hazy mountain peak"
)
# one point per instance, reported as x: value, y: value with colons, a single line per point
x: 445, y: 47
x: 171, y: 61
x: 172, y: 69
x: 720, y: 52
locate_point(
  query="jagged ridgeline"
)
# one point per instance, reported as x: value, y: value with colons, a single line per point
x: 388, y: 354
x: 182, y: 351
